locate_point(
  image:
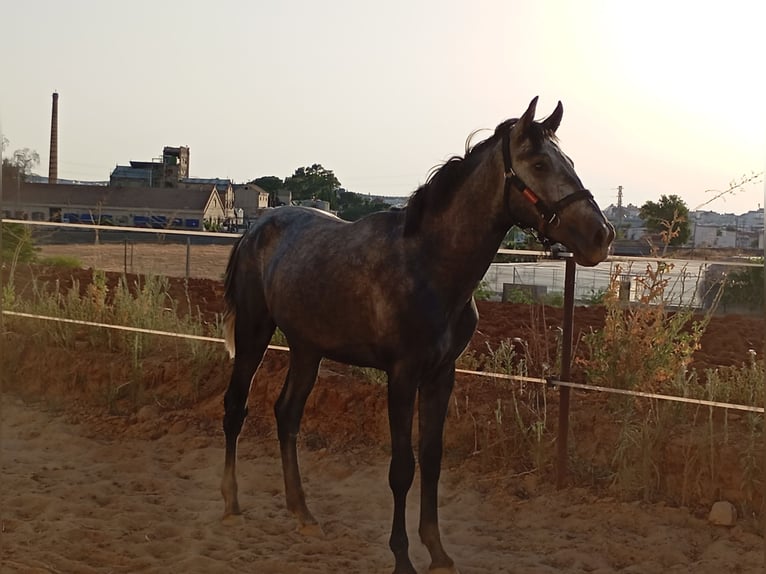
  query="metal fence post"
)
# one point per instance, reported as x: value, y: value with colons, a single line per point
x: 188, y: 257
x: 2, y: 285
x: 566, y: 369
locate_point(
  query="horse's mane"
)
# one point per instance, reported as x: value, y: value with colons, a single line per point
x: 443, y: 181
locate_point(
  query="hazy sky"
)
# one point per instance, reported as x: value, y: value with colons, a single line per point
x: 659, y: 96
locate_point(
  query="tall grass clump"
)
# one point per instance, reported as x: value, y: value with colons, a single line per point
x: 517, y: 428
x: 144, y: 303
x: 644, y: 345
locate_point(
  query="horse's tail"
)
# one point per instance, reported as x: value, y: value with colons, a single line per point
x: 229, y: 296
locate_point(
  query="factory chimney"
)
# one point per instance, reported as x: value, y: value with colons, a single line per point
x: 53, y: 161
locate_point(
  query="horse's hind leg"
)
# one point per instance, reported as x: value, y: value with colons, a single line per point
x: 289, y: 411
x: 251, y: 341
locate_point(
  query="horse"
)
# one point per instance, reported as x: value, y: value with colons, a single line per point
x: 394, y: 291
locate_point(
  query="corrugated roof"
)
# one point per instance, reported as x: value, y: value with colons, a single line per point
x: 205, y: 180
x: 220, y: 184
x: 157, y: 198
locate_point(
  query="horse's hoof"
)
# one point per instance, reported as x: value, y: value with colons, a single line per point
x: 443, y: 570
x: 312, y: 530
x: 232, y: 519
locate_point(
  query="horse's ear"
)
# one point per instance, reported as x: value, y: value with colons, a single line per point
x: 552, y: 122
x: 526, y: 120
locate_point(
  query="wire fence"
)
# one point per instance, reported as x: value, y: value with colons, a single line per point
x: 200, y: 254
x: 689, y: 281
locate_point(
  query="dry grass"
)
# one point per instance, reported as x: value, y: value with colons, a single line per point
x: 205, y: 261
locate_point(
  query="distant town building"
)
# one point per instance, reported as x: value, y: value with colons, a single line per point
x: 249, y: 203
x: 708, y: 228
x: 320, y: 204
x: 713, y: 236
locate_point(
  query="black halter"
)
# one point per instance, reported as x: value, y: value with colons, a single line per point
x: 549, y: 215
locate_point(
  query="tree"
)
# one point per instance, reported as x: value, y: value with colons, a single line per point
x: 669, y: 217
x: 314, y: 182
x: 270, y: 183
x: 19, y: 166
x: 353, y: 206
x: 25, y: 160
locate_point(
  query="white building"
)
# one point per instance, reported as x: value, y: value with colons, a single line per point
x: 713, y: 236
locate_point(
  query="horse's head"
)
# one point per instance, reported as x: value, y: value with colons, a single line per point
x: 542, y: 190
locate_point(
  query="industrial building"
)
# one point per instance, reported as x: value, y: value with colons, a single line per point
x: 157, y: 193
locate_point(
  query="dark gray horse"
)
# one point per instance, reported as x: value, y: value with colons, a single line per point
x: 394, y: 291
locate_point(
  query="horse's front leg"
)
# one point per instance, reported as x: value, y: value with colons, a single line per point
x: 433, y: 402
x: 401, y: 405
x: 289, y: 411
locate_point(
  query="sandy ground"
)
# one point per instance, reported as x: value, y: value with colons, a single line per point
x: 74, y: 502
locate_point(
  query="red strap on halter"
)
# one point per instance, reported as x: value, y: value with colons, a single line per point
x: 530, y: 195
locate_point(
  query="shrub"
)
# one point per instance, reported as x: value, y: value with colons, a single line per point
x: 745, y: 287
x: 553, y: 299
x: 482, y: 291
x: 18, y: 246
x: 61, y: 261
x: 643, y: 346
x: 595, y: 297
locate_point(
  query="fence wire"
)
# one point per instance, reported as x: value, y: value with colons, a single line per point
x: 485, y: 374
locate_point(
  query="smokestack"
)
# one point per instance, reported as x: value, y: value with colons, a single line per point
x: 53, y: 161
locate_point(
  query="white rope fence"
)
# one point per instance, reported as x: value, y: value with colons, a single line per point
x: 126, y: 328
x: 495, y: 376
x: 160, y: 231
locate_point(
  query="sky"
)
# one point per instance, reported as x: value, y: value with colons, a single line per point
x: 660, y: 97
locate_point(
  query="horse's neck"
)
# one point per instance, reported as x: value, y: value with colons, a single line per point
x: 468, y: 232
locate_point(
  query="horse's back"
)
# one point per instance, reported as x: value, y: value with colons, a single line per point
x: 306, y: 240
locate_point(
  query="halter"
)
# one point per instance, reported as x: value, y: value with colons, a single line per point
x: 549, y: 215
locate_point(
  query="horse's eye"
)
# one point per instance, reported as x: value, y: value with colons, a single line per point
x: 539, y: 166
